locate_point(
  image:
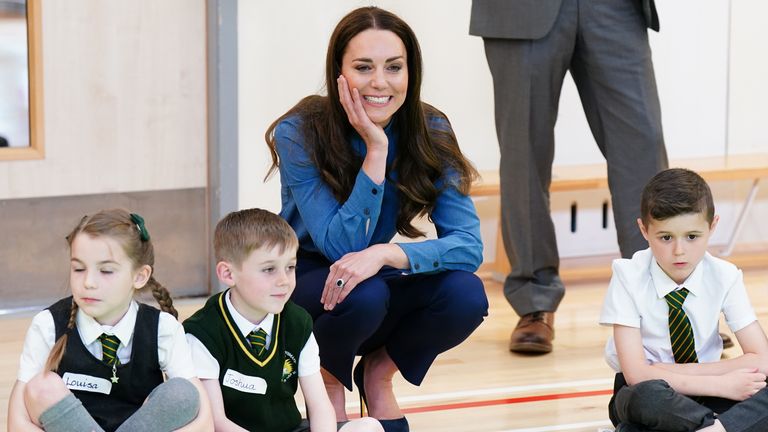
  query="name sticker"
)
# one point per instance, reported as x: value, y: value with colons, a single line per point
x: 244, y: 383
x: 87, y: 383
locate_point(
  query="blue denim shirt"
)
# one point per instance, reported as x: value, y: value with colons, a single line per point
x: 369, y: 215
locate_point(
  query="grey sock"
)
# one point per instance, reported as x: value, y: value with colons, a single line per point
x: 170, y: 406
x: 68, y: 415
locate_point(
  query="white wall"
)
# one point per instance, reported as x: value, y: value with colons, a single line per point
x: 748, y: 112
x: 282, y: 52
x: 124, y: 100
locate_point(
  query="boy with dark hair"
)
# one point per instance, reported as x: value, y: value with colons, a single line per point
x: 664, y: 306
x: 252, y: 346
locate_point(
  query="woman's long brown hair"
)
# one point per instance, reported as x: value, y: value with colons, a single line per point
x: 424, y: 153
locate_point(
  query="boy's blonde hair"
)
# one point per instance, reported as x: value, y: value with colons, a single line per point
x: 242, y: 232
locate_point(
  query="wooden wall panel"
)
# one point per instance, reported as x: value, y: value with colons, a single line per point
x: 34, y: 257
x: 124, y: 101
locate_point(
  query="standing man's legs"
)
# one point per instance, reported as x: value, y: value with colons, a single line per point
x: 613, y: 71
x: 621, y: 103
x: 527, y: 77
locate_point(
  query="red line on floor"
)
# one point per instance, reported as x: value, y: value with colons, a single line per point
x: 505, y: 401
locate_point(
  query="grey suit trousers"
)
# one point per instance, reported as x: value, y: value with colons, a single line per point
x: 604, y: 44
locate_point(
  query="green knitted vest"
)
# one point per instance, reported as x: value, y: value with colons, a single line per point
x: 258, y: 393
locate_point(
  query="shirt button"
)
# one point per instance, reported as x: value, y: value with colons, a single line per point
x: 417, y: 266
x: 367, y: 212
x: 375, y: 191
x: 434, y: 264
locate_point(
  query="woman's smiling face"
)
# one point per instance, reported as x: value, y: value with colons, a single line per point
x: 375, y: 63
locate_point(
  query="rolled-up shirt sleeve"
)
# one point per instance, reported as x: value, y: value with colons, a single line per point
x: 309, y: 358
x: 335, y: 228
x: 736, y: 306
x: 206, y: 366
x: 37, y: 346
x: 173, y: 350
x: 618, y: 306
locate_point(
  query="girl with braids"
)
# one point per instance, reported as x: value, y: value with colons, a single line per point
x: 356, y: 166
x: 96, y: 361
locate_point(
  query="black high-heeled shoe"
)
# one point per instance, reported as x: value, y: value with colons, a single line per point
x: 393, y: 425
x: 357, y: 377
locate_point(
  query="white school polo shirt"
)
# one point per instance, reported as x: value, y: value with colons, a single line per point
x: 207, y: 367
x: 172, y: 349
x: 635, y: 298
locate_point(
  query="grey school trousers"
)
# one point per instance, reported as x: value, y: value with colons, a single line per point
x: 654, y: 406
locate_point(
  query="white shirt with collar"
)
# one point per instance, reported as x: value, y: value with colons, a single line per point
x: 207, y: 367
x: 635, y: 298
x: 172, y: 348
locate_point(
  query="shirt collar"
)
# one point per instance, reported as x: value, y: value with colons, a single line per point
x: 243, y: 324
x: 90, y: 329
x: 665, y: 285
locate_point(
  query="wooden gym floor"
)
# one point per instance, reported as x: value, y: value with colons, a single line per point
x: 480, y: 386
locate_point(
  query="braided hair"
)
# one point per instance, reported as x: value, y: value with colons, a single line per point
x: 129, y: 231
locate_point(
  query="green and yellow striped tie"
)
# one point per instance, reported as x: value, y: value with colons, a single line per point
x: 680, y: 331
x: 109, y: 344
x: 258, y: 340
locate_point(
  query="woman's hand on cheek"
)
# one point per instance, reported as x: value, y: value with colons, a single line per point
x: 352, y: 268
x: 351, y: 101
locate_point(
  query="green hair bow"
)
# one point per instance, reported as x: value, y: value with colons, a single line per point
x: 139, y: 221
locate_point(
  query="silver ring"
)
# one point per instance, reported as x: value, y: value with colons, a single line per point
x: 340, y: 283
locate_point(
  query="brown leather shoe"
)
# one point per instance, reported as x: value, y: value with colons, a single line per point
x: 533, y: 334
x: 727, y: 341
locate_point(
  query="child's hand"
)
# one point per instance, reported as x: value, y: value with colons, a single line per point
x: 742, y: 383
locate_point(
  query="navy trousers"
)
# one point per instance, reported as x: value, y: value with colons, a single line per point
x: 416, y: 317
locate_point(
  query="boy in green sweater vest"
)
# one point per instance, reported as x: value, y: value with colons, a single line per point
x: 251, y: 346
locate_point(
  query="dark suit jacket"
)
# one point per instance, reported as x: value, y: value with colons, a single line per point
x: 530, y: 19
